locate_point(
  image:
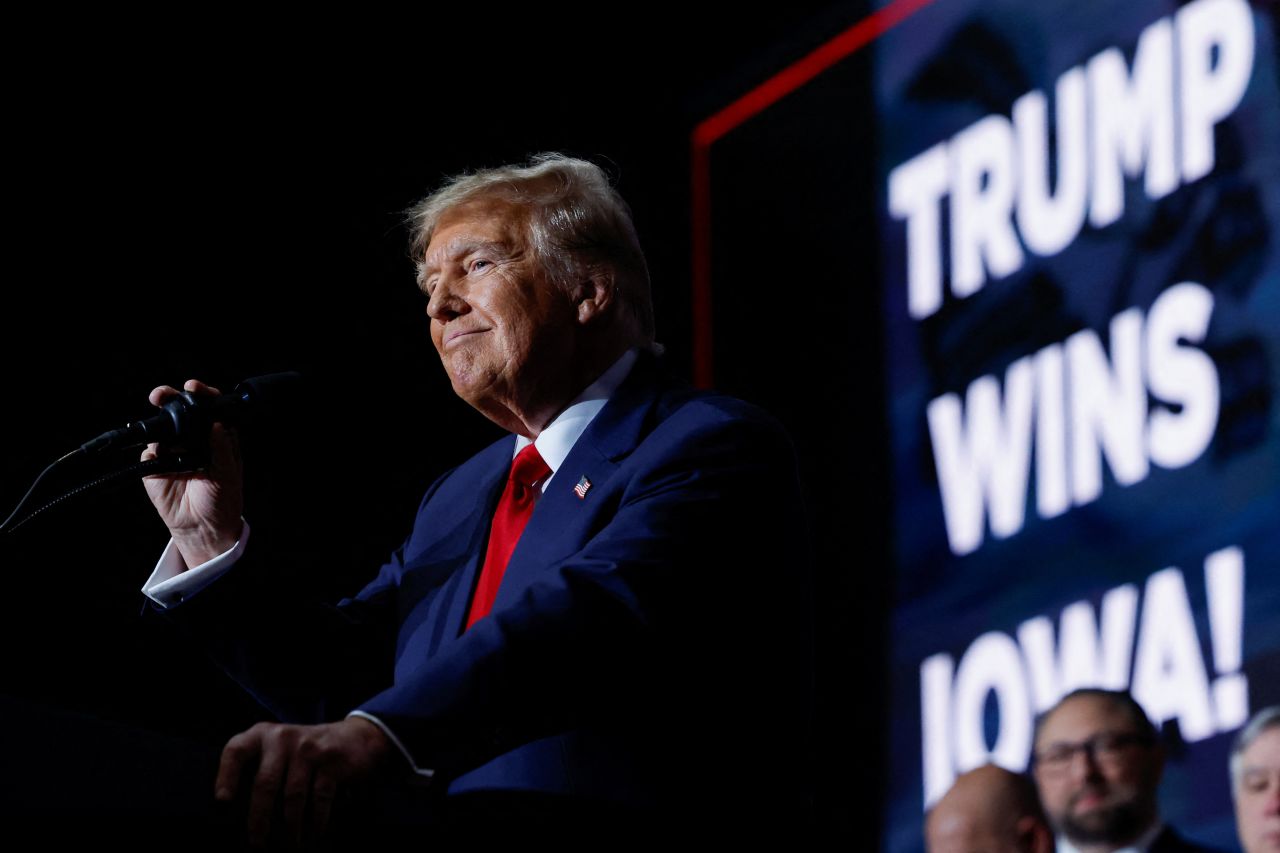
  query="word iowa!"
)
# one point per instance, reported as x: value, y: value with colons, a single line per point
x: 1144, y: 640
x: 1154, y: 121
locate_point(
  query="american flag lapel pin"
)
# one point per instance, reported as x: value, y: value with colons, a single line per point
x: 583, y: 485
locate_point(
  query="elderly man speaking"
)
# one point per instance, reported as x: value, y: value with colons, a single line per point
x: 605, y: 613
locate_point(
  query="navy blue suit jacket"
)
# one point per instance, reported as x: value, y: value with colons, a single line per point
x: 1169, y: 841
x: 650, y: 644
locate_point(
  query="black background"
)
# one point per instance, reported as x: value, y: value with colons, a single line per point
x: 226, y: 200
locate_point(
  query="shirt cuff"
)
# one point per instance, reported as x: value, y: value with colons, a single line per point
x: 173, y: 583
x: 423, y: 773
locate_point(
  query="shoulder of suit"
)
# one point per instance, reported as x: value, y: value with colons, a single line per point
x: 702, y: 420
x: 1170, y: 841
x: 713, y: 404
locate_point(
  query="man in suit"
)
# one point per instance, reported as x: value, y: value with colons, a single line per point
x: 988, y: 810
x: 1097, y: 765
x: 1255, y: 782
x: 607, y: 611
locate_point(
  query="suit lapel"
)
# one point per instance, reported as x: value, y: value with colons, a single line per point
x: 611, y: 436
x: 488, y: 490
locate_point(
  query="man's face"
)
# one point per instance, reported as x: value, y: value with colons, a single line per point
x: 1104, y: 794
x: 1258, y: 794
x: 503, y: 329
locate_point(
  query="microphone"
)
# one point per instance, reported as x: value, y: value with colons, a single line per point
x: 187, y: 417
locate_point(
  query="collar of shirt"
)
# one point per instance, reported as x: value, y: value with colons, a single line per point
x: 558, y: 437
x: 1141, y: 845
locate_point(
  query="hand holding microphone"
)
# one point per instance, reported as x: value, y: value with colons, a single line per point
x: 201, y: 509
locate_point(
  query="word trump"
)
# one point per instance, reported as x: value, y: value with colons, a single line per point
x: 1153, y: 121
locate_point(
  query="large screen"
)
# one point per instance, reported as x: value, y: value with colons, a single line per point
x: 1037, y: 244
x: 1079, y: 212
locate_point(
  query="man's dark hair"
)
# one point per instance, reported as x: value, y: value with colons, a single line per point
x: 1122, y: 699
x: 1267, y: 718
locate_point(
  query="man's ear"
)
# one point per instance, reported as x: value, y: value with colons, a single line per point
x: 1033, y: 835
x: 592, y: 296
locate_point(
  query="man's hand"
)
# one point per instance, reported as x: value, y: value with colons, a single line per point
x: 298, y: 772
x: 201, y: 510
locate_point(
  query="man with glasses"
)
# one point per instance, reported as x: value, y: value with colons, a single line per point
x: 1097, y: 766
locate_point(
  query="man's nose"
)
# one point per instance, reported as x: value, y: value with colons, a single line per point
x: 445, y: 302
x: 1273, y: 797
x: 1084, y: 764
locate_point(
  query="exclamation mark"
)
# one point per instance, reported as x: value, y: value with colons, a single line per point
x: 1224, y: 582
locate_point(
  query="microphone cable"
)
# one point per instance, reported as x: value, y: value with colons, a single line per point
x: 175, y: 464
x: 187, y: 416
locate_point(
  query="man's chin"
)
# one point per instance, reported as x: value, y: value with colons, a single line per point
x: 1093, y: 825
x: 1116, y: 823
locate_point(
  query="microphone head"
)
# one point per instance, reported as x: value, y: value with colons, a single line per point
x: 187, y: 417
x: 269, y: 389
x: 256, y: 399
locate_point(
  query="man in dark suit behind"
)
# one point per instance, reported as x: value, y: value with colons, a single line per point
x: 1097, y: 764
x: 643, y: 653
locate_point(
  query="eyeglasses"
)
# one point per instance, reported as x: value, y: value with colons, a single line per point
x: 1104, y: 749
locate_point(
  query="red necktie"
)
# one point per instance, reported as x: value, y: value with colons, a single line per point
x: 514, y: 508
